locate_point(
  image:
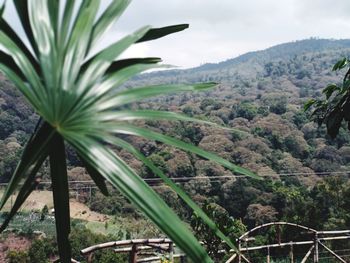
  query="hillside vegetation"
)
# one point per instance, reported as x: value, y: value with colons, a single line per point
x: 260, y: 95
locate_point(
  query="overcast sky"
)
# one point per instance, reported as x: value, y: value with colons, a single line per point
x: 223, y: 29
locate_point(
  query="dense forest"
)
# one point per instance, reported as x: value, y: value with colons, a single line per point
x: 260, y: 97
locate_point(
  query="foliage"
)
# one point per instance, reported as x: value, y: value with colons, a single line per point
x: 82, y: 237
x: 231, y: 227
x: 335, y: 108
x: 41, y: 250
x: 245, y: 110
x: 44, y: 213
x: 17, y: 257
x: 76, y: 95
x: 272, y: 144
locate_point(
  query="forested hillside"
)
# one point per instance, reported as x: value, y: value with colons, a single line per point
x: 261, y: 95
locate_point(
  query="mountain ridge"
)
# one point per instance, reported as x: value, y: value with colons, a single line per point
x: 280, y: 51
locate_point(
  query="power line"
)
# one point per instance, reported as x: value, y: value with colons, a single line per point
x: 211, y: 178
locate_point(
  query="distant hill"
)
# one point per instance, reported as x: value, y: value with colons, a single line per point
x: 261, y: 94
x: 252, y: 62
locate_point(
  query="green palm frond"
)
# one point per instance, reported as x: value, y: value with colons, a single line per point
x: 76, y: 95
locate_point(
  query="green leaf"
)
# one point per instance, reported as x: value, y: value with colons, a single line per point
x: 333, y: 122
x: 173, y: 186
x: 22, y: 11
x: 346, y: 110
x: 75, y: 97
x: 124, y: 63
x: 31, y: 154
x: 130, y: 115
x: 120, y: 175
x: 105, y: 88
x: 156, y: 33
x: 340, y: 64
x: 10, y: 33
x: 309, y: 104
x: 54, y: 13
x: 2, y: 9
x: 106, y: 20
x: 96, y: 177
x: 101, y: 62
x: 28, y: 187
x: 133, y: 130
x: 44, y: 28
x: 66, y: 21
x: 11, y: 49
x: 78, y: 42
x: 59, y: 178
x: 44, y: 35
x: 345, y: 87
x: 8, y: 61
x: 18, y: 81
x: 328, y: 91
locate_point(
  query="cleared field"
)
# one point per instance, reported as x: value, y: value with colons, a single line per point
x: 38, y: 199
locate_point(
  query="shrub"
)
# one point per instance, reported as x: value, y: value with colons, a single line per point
x: 41, y: 250
x: 17, y: 257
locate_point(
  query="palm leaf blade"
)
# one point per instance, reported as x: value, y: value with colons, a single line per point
x: 133, y: 130
x: 123, y: 63
x: 66, y: 20
x: 96, y: 177
x: 155, y: 33
x: 77, y: 99
x: 110, y: 16
x: 28, y: 187
x: 134, y: 188
x: 173, y: 186
x: 130, y: 115
x: 15, y: 77
x: 100, y: 63
x: 78, y: 42
x: 44, y: 30
x: 59, y: 178
x: 137, y: 94
x: 33, y: 151
x: 22, y: 11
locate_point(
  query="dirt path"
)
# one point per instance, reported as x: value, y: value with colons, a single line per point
x: 81, y: 211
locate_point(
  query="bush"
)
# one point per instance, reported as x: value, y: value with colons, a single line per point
x: 245, y: 110
x: 41, y: 250
x: 44, y: 213
x: 82, y: 237
x: 17, y: 257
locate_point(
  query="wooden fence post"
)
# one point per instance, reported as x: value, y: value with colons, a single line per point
x: 171, y: 252
x: 239, y: 250
x: 133, y: 254
x: 316, y: 257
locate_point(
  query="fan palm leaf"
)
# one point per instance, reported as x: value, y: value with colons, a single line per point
x: 77, y: 97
